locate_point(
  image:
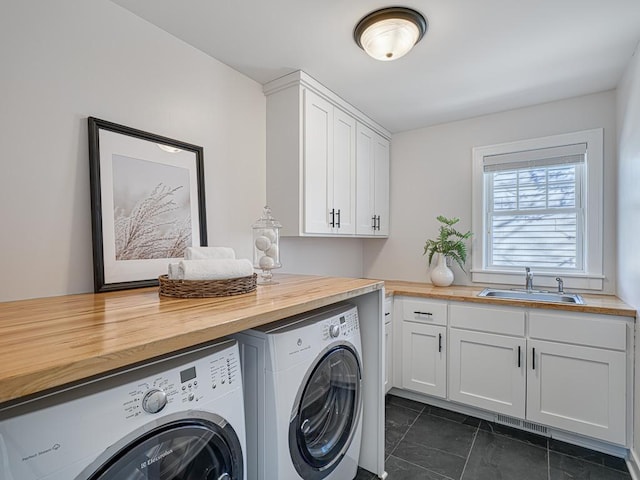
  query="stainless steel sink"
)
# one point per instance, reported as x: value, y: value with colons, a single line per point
x: 533, y: 296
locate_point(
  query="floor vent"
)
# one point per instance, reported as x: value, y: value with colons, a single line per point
x: 523, y: 424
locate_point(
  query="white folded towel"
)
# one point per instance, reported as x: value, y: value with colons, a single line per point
x: 214, y: 269
x: 174, y: 272
x: 202, y: 253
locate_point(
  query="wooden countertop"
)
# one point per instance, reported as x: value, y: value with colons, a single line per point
x: 602, y: 304
x: 49, y: 342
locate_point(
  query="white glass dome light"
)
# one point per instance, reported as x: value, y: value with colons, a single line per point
x: 390, y: 33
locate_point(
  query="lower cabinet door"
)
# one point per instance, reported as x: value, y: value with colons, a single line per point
x: 424, y: 358
x: 579, y: 389
x: 487, y: 371
x: 388, y: 356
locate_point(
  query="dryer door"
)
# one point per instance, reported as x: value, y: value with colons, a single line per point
x: 327, y: 411
x: 186, y: 449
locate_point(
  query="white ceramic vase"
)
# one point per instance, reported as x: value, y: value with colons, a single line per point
x: 441, y: 275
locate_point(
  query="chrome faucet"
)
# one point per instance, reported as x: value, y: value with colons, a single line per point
x: 560, y: 285
x: 528, y: 284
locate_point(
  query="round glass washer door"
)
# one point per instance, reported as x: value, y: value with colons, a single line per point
x: 187, y: 449
x: 325, y: 420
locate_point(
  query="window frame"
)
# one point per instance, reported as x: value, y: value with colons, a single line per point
x: 591, y: 277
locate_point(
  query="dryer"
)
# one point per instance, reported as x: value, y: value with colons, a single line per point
x: 303, y: 400
x: 179, y: 417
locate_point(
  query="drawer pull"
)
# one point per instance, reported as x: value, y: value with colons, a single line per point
x: 424, y: 313
x: 387, y: 313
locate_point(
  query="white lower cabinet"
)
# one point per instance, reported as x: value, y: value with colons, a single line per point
x: 487, y: 371
x: 388, y: 344
x: 563, y: 370
x: 579, y: 387
x: 424, y: 359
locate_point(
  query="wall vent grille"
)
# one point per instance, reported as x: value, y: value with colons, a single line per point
x: 523, y: 424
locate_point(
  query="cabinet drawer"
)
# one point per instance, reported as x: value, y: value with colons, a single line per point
x: 424, y: 311
x: 583, y: 329
x: 506, y: 321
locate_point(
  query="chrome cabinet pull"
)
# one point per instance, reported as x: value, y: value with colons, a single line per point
x: 373, y: 222
x: 333, y: 217
x: 423, y: 313
x: 378, y: 227
x: 338, y: 221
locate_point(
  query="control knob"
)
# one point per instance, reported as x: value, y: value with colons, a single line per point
x: 154, y: 401
x: 334, y: 331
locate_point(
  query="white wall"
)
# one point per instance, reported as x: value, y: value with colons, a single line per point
x: 629, y: 212
x: 431, y: 176
x: 66, y: 60
x: 340, y: 257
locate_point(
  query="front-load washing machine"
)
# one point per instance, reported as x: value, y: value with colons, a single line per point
x: 176, y: 418
x: 302, y: 380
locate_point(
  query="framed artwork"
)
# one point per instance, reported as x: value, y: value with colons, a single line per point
x: 147, y: 204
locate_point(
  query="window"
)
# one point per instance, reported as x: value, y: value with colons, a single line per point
x: 537, y: 203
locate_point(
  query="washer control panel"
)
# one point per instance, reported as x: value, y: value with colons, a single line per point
x: 343, y: 325
x: 201, y: 380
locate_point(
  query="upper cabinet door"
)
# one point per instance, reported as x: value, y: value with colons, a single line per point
x: 381, y: 184
x: 342, y: 173
x: 318, y: 163
x: 372, y: 185
x: 366, y: 222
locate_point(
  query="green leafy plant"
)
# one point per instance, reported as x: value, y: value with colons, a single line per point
x: 450, y: 242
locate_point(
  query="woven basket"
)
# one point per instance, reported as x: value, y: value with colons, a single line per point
x: 206, y: 288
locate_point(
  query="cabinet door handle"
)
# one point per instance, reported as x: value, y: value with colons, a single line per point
x: 373, y: 222
x: 519, y: 356
x: 378, y: 222
x: 333, y: 217
x: 387, y: 313
x: 439, y: 342
x: 423, y: 313
x: 533, y: 358
x: 338, y: 221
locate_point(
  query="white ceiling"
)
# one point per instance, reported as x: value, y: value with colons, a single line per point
x: 478, y: 56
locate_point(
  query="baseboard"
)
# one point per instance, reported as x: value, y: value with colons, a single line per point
x: 633, y: 464
x: 573, y: 438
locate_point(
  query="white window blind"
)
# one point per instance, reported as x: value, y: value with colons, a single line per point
x: 534, y: 208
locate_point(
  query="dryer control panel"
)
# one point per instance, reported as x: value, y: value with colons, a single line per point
x: 197, y: 381
x: 343, y: 325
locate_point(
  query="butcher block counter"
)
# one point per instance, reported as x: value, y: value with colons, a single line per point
x: 600, y: 304
x: 49, y: 342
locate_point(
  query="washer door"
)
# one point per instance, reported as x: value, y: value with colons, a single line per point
x: 326, y: 414
x: 186, y: 449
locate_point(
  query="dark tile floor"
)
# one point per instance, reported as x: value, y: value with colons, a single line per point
x: 428, y: 443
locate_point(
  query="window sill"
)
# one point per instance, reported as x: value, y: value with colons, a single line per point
x: 575, y: 281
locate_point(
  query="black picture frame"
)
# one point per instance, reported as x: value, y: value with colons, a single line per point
x: 133, y: 222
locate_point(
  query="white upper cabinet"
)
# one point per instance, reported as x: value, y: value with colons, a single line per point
x: 312, y: 149
x: 329, y: 167
x: 372, y: 172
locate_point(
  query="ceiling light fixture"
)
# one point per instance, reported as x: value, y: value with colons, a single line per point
x: 390, y: 33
